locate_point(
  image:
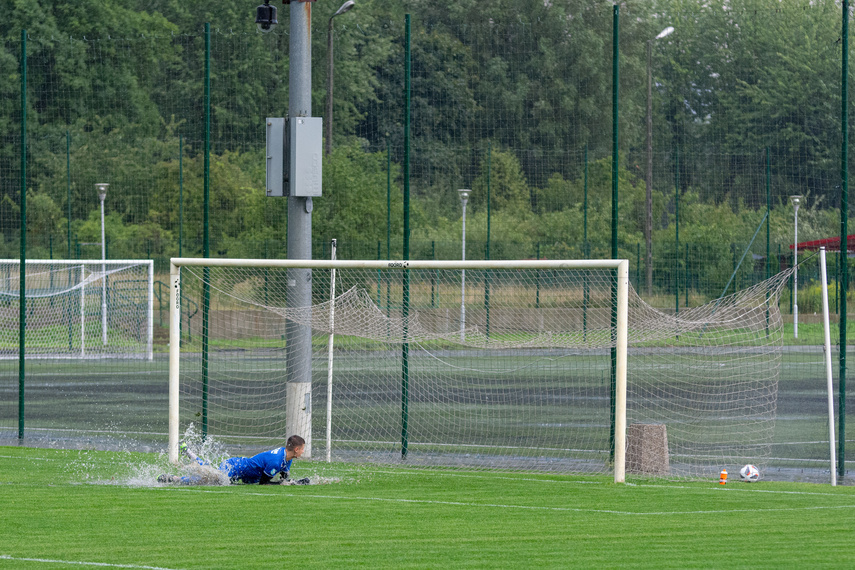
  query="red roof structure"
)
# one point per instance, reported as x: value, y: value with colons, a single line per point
x: 830, y: 244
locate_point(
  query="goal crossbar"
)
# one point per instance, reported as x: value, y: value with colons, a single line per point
x: 414, y: 264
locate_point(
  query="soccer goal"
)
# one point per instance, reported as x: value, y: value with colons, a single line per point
x: 486, y: 365
x: 78, y: 308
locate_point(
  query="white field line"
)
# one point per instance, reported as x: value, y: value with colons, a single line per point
x: 34, y: 458
x: 79, y: 563
x: 82, y: 431
x: 529, y: 507
x: 740, y: 489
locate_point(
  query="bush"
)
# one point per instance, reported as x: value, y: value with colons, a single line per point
x: 810, y: 298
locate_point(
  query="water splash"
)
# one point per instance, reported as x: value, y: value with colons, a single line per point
x: 143, y: 469
x: 206, y: 447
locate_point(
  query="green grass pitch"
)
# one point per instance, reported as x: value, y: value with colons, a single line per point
x: 97, y: 509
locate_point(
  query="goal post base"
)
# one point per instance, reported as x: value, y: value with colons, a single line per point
x: 298, y: 414
x: 647, y: 450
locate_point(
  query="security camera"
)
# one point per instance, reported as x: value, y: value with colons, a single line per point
x: 265, y: 17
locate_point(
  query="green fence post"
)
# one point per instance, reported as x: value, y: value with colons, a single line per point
x: 388, y: 218
x: 388, y: 198
x: 405, y: 308
x: 433, y: 275
x: 22, y: 292
x: 837, y: 284
x: 615, y: 157
x: 537, y: 281
x: 768, y: 211
x: 489, y: 215
x: 206, y: 244
x: 68, y: 185
x: 768, y: 224
x: 180, y: 195
x: 686, y: 280
x: 587, y: 251
x: 487, y: 246
x: 677, y: 236
x: 844, y: 231
x: 585, y: 207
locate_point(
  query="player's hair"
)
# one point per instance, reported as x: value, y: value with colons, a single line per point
x: 294, y: 442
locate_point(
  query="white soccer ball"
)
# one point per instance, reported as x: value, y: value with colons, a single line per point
x: 749, y: 474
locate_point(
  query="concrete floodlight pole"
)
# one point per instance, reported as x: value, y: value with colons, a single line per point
x: 464, y: 198
x: 796, y: 200
x: 102, y: 195
x: 648, y: 181
x: 298, y: 337
x: 330, y: 74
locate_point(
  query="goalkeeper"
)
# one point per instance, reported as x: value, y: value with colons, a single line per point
x: 258, y: 469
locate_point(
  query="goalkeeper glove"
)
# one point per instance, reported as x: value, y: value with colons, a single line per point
x: 303, y: 481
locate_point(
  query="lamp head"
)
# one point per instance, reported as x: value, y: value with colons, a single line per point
x: 796, y: 200
x: 464, y: 194
x: 265, y: 17
x: 344, y: 8
x: 102, y: 189
x: 666, y: 32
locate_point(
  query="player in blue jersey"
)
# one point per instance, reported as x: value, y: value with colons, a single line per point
x: 258, y: 469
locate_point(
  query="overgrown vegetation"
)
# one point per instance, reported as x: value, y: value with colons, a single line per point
x: 516, y: 106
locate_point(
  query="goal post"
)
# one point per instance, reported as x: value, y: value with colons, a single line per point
x: 523, y: 383
x: 79, y: 308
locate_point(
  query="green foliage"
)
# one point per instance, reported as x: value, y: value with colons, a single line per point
x: 353, y: 208
x: 810, y: 297
x: 43, y: 214
x: 511, y: 102
x: 508, y: 187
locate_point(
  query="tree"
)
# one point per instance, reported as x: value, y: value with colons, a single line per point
x: 744, y: 76
x: 353, y: 207
x: 508, y: 187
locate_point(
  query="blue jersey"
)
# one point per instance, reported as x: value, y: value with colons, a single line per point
x: 258, y: 468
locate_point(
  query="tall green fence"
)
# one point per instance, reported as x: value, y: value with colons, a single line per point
x: 516, y: 107
x: 727, y: 109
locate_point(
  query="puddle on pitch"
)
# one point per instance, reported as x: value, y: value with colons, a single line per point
x: 155, y: 470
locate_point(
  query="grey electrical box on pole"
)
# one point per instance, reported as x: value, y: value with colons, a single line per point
x: 294, y: 157
x: 306, y: 154
x: 276, y: 164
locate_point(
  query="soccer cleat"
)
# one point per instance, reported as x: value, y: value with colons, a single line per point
x: 168, y: 478
x: 303, y: 481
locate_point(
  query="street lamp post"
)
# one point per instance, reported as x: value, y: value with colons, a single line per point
x: 648, y: 220
x: 344, y: 8
x: 102, y: 194
x: 796, y: 200
x: 464, y: 198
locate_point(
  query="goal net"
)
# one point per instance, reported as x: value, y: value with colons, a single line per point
x: 485, y: 365
x: 78, y: 308
x: 709, y: 376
